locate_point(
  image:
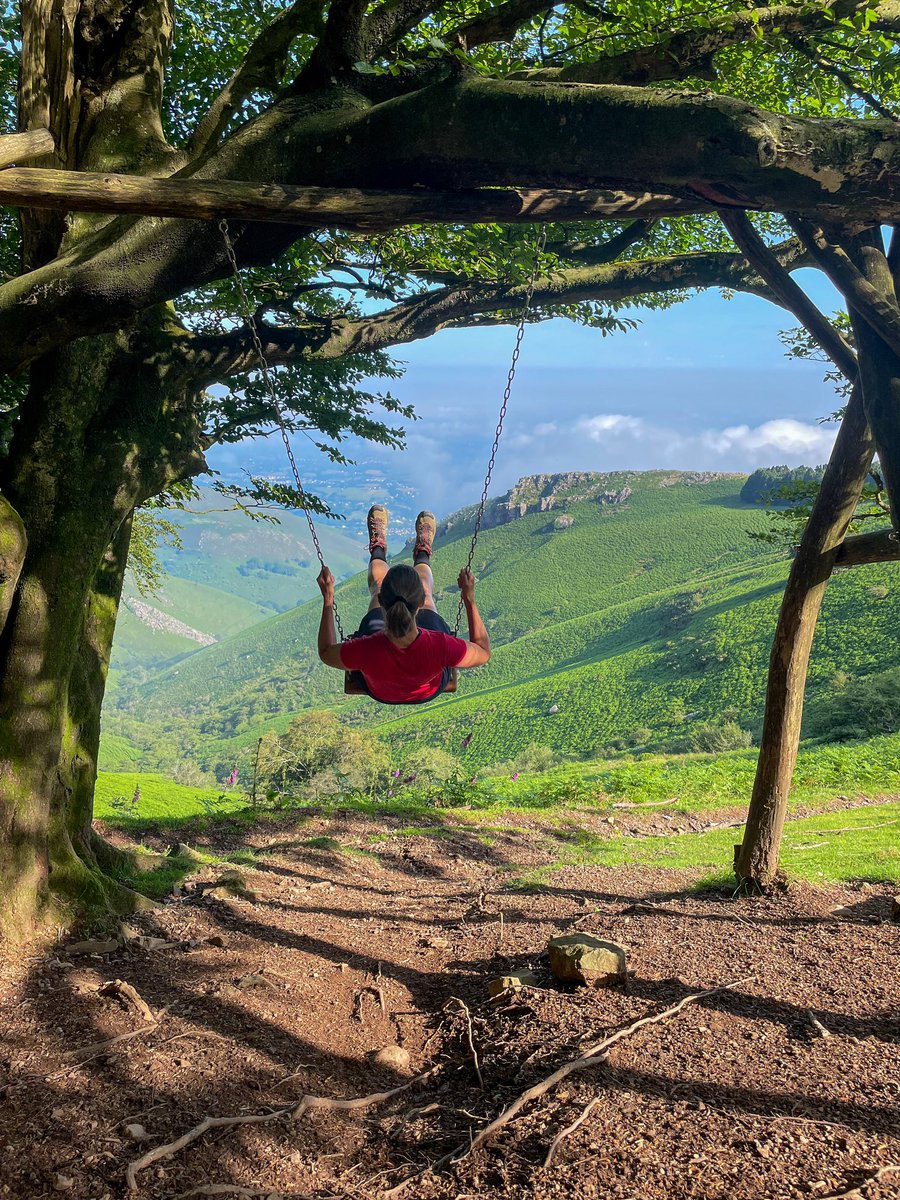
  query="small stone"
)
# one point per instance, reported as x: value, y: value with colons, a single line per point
x: 63, y: 1183
x: 394, y: 1057
x: 895, y: 908
x: 99, y: 946
x: 512, y: 983
x: 231, y: 883
x: 136, y: 1133
x: 252, y: 981
x: 438, y: 943
x: 216, y: 940
x: 581, y: 958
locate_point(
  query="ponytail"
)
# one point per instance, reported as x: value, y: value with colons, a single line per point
x: 402, y: 595
x: 399, y: 620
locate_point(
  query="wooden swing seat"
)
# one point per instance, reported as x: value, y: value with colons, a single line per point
x: 352, y: 687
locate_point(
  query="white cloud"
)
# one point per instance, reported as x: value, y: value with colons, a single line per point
x: 782, y: 436
x: 605, y: 424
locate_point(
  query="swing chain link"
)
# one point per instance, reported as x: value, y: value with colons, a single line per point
x: 498, y: 433
x: 265, y: 370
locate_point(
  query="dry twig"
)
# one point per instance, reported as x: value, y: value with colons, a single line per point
x: 471, y: 1035
x: 292, y: 1112
x: 570, y: 1129
x: 648, y: 804
x: 589, y: 1059
x: 817, y: 1024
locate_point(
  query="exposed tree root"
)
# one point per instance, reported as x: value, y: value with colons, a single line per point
x: 593, y: 1055
x: 234, y: 1189
x: 570, y: 1129
x: 292, y: 1112
x: 471, y: 1037
x: 857, y: 1192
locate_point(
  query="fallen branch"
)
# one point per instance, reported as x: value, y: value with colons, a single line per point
x: 292, y: 1112
x: 589, y: 1059
x: 857, y: 1192
x: 465, y: 1009
x: 570, y: 1129
x: 234, y: 1189
x: 856, y: 828
x: 659, y: 910
x: 128, y: 995
x: 817, y: 1024
x: 648, y: 804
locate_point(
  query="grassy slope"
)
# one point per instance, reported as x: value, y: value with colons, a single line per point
x: 582, y: 619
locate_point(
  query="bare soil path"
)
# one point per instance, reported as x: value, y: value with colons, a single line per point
x: 341, y: 955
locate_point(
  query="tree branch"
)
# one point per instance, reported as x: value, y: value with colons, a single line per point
x: 606, y: 252
x: 499, y: 24
x: 471, y: 132
x: 844, y: 77
x: 217, y: 356
x: 262, y: 68
x: 790, y: 294
x: 876, y: 309
x: 882, y: 545
x: 691, y: 52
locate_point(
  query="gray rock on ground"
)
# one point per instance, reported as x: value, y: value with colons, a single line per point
x: 585, y: 959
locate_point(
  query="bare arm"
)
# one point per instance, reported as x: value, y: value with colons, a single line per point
x: 478, y: 647
x: 328, y: 646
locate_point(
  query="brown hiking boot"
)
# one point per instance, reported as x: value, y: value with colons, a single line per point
x: 377, y: 525
x: 426, y: 528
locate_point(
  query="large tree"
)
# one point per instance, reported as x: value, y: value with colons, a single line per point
x: 113, y: 328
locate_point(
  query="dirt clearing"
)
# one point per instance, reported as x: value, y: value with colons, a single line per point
x: 348, y: 974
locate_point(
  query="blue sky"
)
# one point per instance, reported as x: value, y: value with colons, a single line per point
x: 703, y: 385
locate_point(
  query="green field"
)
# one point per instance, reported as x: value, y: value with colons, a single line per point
x: 859, y: 842
x: 232, y: 572
x: 638, y: 623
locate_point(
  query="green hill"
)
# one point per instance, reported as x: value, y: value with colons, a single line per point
x: 232, y: 572
x: 625, y: 609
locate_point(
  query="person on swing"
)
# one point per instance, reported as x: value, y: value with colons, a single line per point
x: 404, y: 650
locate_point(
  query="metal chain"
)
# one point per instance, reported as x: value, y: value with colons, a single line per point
x: 498, y: 433
x: 265, y: 370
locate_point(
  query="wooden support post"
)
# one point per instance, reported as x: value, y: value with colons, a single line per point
x: 21, y: 147
x: 882, y: 545
x: 339, y: 208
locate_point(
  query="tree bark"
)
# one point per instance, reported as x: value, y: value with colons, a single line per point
x: 12, y: 555
x: 756, y: 859
x: 99, y: 431
x: 338, y: 208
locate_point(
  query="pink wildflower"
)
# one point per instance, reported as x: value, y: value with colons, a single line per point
x: 232, y: 778
x: 514, y: 776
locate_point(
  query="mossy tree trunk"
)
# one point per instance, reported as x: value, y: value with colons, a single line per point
x: 757, y: 858
x: 871, y: 423
x: 100, y: 430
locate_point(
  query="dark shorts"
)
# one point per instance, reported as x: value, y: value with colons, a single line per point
x: 426, y: 618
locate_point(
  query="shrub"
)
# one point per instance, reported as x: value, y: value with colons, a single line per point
x: 714, y: 737
x: 861, y: 708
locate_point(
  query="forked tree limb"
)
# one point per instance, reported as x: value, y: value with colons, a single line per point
x: 788, y: 291
x: 879, y: 313
x: 590, y: 1059
x: 292, y: 1112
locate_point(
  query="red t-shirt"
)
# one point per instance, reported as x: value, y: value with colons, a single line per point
x: 396, y: 675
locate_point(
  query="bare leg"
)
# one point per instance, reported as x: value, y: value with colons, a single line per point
x: 424, y: 572
x: 378, y: 568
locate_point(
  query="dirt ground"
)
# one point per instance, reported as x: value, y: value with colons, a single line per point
x: 785, y: 1085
